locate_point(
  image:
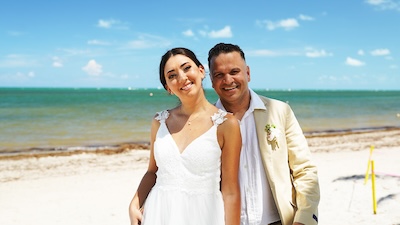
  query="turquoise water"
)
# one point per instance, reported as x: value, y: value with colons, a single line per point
x: 52, y: 118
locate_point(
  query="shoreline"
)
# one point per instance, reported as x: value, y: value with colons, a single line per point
x: 319, y: 141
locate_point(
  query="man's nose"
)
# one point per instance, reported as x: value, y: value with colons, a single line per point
x: 228, y: 79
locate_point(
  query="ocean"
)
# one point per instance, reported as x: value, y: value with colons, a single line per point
x: 78, y: 118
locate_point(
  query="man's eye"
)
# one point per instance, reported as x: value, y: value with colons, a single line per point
x: 233, y: 72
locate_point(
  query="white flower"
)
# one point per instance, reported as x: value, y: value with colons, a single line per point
x: 219, y: 117
x: 272, y: 133
x: 163, y: 115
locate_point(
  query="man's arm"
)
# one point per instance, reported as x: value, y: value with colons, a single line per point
x: 303, y: 171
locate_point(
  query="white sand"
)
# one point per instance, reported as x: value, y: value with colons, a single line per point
x: 96, y: 189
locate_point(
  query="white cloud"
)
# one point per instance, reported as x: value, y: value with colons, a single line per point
x: 305, y: 17
x: 31, y: 74
x: 111, y: 23
x: 223, y: 33
x: 313, y: 53
x: 262, y: 52
x: 188, y: 33
x: 124, y: 76
x: 93, y: 68
x: 21, y: 77
x: 74, y: 52
x: 354, y: 62
x: 270, y: 53
x: 97, y: 42
x: 287, y: 24
x: 380, y: 52
x: 384, y: 4
x: 57, y: 62
x: 203, y: 33
x: 141, y: 43
x: 375, y: 2
x: 106, y: 23
x: 148, y: 41
x: 393, y: 66
x: 360, y: 52
x: 16, y: 60
x: 331, y: 78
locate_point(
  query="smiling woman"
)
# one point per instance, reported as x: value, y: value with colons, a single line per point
x: 194, y: 155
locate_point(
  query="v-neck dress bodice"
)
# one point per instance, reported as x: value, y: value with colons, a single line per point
x: 187, y: 189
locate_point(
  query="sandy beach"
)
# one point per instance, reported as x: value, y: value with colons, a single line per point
x: 95, y: 188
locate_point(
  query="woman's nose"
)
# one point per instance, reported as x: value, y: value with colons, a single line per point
x: 182, y: 76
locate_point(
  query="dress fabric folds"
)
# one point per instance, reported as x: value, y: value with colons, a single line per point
x: 187, y: 189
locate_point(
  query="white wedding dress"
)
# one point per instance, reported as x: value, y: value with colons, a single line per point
x: 187, y: 189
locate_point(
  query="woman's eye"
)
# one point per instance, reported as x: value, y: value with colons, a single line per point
x: 187, y: 68
x: 171, y: 76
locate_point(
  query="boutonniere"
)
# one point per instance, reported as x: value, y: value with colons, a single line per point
x: 272, y: 134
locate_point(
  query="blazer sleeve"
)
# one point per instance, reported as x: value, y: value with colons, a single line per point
x: 303, y: 171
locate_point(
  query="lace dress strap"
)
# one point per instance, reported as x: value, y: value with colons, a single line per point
x: 162, y: 116
x: 219, y: 117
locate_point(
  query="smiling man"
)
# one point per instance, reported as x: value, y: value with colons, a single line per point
x: 278, y: 182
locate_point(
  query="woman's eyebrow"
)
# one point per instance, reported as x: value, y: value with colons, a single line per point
x: 183, y: 64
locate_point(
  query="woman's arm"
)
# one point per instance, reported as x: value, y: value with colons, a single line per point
x: 231, y: 146
x: 147, y: 182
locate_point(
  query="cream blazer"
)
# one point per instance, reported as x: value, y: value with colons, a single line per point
x: 290, y: 172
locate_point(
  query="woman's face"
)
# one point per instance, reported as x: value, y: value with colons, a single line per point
x: 183, y: 76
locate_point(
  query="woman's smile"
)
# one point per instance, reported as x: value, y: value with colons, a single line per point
x: 187, y: 86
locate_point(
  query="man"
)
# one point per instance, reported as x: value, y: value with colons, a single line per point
x: 278, y: 182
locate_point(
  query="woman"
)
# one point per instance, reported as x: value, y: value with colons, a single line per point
x: 192, y: 177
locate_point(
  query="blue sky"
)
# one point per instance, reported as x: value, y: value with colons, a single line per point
x: 299, y: 44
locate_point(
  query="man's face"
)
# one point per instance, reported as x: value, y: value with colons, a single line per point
x: 230, y: 76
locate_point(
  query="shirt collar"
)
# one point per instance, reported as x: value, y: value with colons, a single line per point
x: 256, y: 101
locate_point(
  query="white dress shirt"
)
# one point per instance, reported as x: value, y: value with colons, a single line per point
x: 257, y: 203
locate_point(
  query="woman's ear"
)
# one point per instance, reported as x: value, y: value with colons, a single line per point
x: 203, y: 71
x: 169, y: 90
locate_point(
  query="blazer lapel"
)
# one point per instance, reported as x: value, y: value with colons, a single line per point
x: 261, y: 118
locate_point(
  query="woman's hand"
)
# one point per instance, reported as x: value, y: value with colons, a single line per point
x: 135, y: 215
